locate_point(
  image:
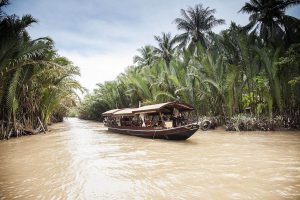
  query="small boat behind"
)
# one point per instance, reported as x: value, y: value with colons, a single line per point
x: 169, y: 121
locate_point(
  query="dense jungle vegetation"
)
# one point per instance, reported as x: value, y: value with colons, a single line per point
x: 250, y: 69
x: 37, y: 86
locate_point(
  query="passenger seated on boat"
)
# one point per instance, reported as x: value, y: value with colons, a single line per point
x: 160, y: 123
x: 114, y: 122
x: 139, y: 122
x: 155, y: 121
x: 157, y: 124
x: 165, y: 118
x: 180, y: 120
x: 148, y: 123
x: 174, y: 120
x: 136, y: 122
x: 125, y: 121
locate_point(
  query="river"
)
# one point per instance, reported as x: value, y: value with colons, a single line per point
x: 82, y: 160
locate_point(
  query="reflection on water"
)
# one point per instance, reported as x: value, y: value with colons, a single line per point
x: 81, y: 160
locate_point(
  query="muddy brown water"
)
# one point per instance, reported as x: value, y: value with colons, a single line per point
x: 81, y: 160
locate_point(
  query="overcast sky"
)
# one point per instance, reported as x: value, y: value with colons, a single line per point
x: 102, y: 36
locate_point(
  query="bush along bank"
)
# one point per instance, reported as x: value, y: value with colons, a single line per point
x: 246, y: 122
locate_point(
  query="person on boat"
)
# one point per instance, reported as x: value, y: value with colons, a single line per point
x: 136, y: 121
x: 142, y: 118
x: 180, y: 120
x: 155, y: 120
x: 174, y: 120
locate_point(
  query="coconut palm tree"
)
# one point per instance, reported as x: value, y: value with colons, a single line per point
x: 3, y: 3
x: 17, y: 53
x: 147, y: 56
x: 196, y: 23
x: 166, y: 46
x: 270, y: 62
x: 268, y: 18
x: 36, y: 83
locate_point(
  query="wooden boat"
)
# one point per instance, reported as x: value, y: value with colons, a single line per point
x: 159, y: 121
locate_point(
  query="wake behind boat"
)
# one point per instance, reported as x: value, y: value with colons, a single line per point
x: 159, y: 121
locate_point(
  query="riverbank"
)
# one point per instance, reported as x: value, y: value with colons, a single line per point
x: 251, y: 123
x: 207, y: 123
x: 240, y: 123
x: 244, y: 122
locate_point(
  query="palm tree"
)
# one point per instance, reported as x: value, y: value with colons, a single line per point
x: 36, y: 83
x: 147, y: 56
x: 18, y: 53
x: 196, y: 22
x: 3, y: 3
x: 166, y: 46
x: 58, y: 87
x: 268, y: 18
x: 270, y: 63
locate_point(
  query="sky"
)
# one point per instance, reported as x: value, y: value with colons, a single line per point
x: 102, y: 36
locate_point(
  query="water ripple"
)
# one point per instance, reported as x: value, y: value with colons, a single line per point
x: 82, y: 160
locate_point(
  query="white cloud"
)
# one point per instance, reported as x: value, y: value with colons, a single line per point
x: 98, y: 68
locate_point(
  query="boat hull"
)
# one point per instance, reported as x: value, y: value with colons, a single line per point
x: 177, y: 133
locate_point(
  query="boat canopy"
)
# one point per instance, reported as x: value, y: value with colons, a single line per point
x: 155, y: 108
x: 163, y: 107
x: 110, y: 112
x: 125, y: 112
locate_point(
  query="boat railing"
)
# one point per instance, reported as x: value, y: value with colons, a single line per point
x: 154, y: 122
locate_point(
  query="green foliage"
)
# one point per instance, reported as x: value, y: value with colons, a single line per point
x: 36, y: 83
x: 268, y: 18
x: 92, y: 107
x: 195, y: 23
x: 219, y: 74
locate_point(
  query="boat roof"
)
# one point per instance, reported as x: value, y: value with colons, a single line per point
x: 110, y: 112
x: 163, y: 106
x: 125, y: 112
